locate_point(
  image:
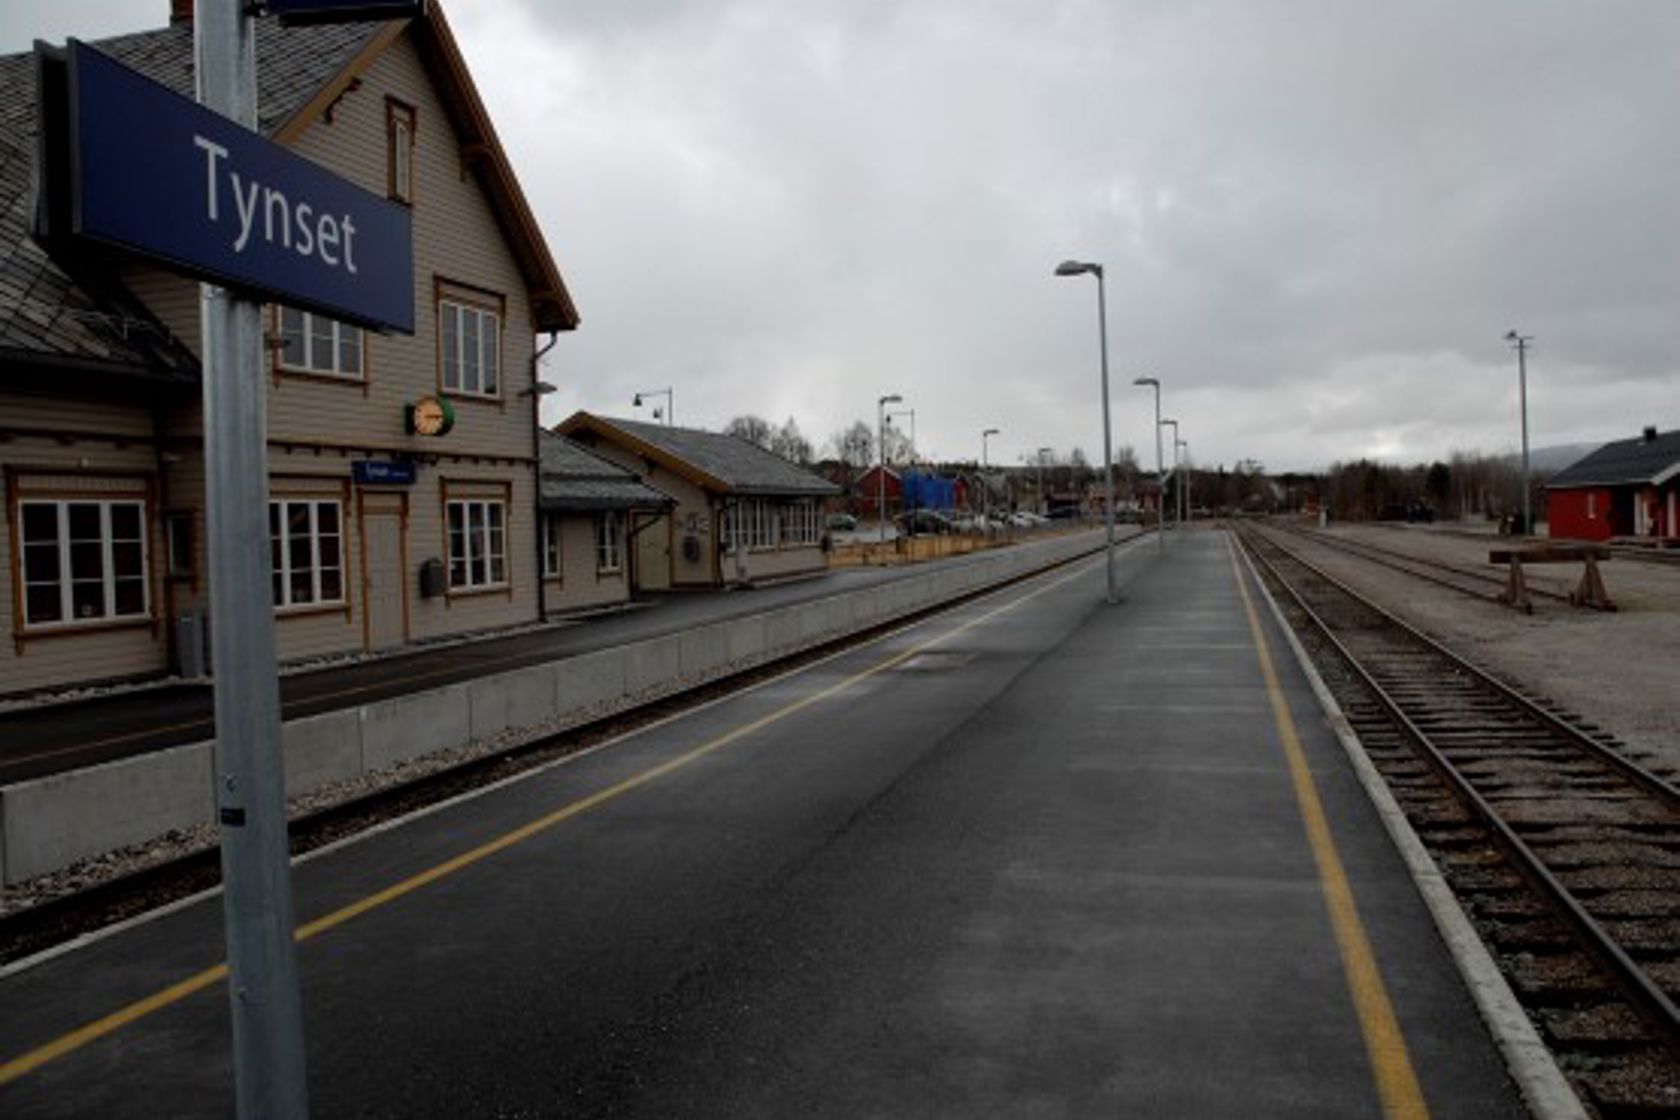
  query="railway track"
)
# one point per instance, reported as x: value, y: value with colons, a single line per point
x: 1564, y: 853
x: 1479, y: 583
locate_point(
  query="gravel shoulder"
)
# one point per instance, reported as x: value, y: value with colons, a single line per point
x: 1619, y: 670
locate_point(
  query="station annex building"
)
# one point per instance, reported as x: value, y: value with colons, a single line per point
x: 381, y: 535
x: 739, y: 514
x: 1627, y: 488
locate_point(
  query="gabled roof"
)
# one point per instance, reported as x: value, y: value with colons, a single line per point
x: 50, y: 319
x: 722, y: 464
x: 576, y: 479
x: 1626, y: 462
x: 53, y: 312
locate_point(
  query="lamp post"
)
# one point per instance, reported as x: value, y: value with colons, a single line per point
x: 881, y: 445
x: 985, y: 487
x: 1077, y: 268
x: 1184, y: 490
x: 670, y: 404
x: 1521, y: 341
x: 1160, y: 504
x: 1043, y: 505
x: 1177, y: 486
x: 910, y: 502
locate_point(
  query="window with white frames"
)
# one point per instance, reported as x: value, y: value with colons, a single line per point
x: 477, y: 543
x: 306, y: 543
x: 609, y: 541
x: 83, y: 561
x: 551, y: 546
x: 470, y: 346
x: 313, y: 343
x: 754, y: 524
x: 399, y: 126
x: 799, y: 522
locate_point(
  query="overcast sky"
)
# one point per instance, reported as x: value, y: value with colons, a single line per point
x: 1318, y: 219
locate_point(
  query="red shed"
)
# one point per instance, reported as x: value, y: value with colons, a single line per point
x: 1630, y: 488
x: 868, y: 490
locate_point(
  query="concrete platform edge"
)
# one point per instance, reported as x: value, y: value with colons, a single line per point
x: 1545, y: 1090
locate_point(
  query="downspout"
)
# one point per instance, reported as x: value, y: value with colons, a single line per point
x: 536, y: 461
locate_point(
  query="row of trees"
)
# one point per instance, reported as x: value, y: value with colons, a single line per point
x: 1469, y: 485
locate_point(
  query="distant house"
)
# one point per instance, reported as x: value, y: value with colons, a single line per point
x: 1630, y: 488
x: 869, y: 489
x: 587, y: 503
x: 739, y: 514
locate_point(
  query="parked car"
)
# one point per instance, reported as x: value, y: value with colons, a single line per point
x: 923, y: 521
x: 842, y: 522
x: 1066, y: 513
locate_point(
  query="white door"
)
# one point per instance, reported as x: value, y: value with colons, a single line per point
x: 385, y: 584
x: 653, y: 551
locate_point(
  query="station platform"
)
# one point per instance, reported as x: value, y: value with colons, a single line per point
x: 1039, y: 856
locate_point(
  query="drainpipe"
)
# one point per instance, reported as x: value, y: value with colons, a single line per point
x: 536, y: 453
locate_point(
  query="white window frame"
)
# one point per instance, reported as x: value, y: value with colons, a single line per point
x: 754, y: 525
x: 553, y: 561
x: 799, y: 522
x: 308, y: 323
x: 66, y: 581
x: 281, y: 539
x: 401, y: 121
x: 469, y: 360
x: 482, y: 533
x: 609, y: 541
x: 1592, y: 505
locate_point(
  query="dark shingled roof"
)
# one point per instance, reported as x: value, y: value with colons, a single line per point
x: 1623, y: 463
x: 743, y: 468
x: 51, y: 317
x: 576, y: 479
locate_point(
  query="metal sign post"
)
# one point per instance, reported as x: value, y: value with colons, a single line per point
x: 269, y: 1073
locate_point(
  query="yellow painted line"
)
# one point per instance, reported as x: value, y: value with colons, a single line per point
x: 1385, y: 1045
x: 99, y: 1028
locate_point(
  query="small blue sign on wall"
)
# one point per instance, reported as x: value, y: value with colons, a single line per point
x: 162, y: 176
x: 382, y: 472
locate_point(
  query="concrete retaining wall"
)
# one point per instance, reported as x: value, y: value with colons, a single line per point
x: 48, y: 823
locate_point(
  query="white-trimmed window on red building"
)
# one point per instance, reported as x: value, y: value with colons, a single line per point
x: 477, y: 543
x: 306, y: 541
x: 83, y: 561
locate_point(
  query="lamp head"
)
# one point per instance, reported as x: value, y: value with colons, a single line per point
x: 1510, y: 336
x: 891, y: 398
x: 988, y: 432
x: 637, y: 401
x: 1147, y: 381
x: 1077, y: 268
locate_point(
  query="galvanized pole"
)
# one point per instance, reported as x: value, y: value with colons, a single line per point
x: 268, y: 1054
x: 1108, y: 442
x: 1522, y: 341
x: 1161, y: 501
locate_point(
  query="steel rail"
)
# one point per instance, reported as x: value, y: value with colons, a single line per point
x: 1634, y: 980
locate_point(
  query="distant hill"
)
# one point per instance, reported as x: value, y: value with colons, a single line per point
x: 1550, y: 460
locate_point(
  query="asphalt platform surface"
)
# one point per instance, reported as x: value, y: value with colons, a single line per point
x: 1038, y: 856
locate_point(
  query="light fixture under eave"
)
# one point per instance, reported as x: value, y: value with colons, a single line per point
x: 538, y: 389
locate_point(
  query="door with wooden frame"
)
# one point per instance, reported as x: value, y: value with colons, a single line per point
x: 384, y: 571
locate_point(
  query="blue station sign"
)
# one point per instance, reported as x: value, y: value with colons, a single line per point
x: 382, y: 472
x: 162, y: 176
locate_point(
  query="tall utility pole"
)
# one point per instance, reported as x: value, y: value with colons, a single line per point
x: 268, y: 1054
x: 881, y: 445
x: 1161, y: 500
x: 1521, y: 342
x: 1077, y: 268
x: 985, y: 485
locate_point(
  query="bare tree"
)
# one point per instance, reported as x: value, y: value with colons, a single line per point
x: 754, y: 429
x: 787, y: 442
x: 855, y: 446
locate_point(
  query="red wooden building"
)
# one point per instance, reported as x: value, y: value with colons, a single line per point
x: 1629, y: 488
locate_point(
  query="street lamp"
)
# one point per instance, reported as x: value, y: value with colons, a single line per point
x: 1521, y: 341
x: 1177, y: 486
x: 1161, y: 499
x: 670, y: 404
x: 1078, y: 268
x: 1184, y: 490
x: 985, y: 487
x: 881, y: 444
x: 1043, y: 506
x: 909, y: 503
